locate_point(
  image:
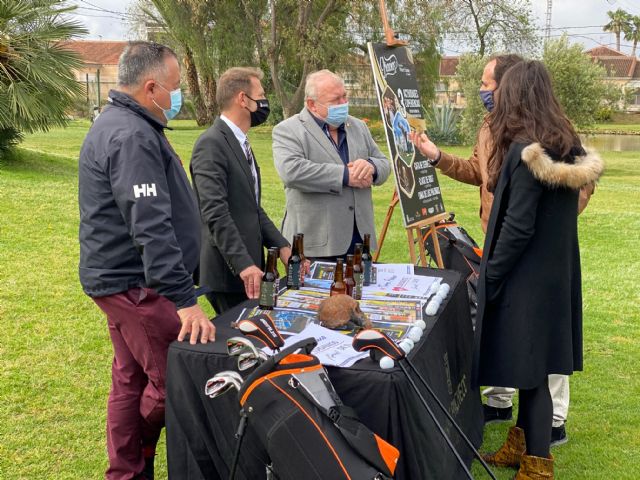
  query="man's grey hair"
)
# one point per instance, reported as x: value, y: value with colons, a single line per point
x: 311, y: 86
x: 139, y: 60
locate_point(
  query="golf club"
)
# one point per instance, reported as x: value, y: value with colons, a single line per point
x: 376, y: 341
x: 221, y: 383
x: 249, y: 359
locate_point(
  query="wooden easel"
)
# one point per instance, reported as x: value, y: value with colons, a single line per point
x: 414, y: 232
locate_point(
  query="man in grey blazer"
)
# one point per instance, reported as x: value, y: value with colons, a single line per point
x: 226, y: 177
x: 328, y: 162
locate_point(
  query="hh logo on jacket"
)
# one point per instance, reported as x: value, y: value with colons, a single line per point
x: 145, y: 190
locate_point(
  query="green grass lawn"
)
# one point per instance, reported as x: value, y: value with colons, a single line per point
x: 55, y: 354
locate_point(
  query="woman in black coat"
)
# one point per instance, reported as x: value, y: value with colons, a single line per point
x: 530, y: 305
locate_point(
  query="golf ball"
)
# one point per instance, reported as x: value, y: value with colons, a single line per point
x: 406, y: 346
x: 415, y: 334
x: 421, y: 324
x: 445, y: 288
x: 409, y: 341
x: 432, y: 307
x: 386, y: 363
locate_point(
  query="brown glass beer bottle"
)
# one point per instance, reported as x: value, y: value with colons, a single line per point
x: 367, y: 260
x: 269, y: 285
x: 293, y: 266
x: 358, y: 272
x: 348, y: 276
x: 338, y: 286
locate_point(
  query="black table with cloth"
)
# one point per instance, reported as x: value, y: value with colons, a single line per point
x: 200, y: 430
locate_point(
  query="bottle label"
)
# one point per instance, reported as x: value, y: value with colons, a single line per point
x: 268, y: 294
x: 293, y: 276
x: 367, y: 272
x: 358, y: 278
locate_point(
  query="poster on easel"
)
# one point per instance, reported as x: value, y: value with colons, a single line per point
x: 417, y: 183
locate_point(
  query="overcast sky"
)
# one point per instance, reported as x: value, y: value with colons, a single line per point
x: 581, y: 19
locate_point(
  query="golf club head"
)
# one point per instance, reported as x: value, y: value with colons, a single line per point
x: 238, y: 345
x: 221, y: 383
x: 247, y: 360
x: 262, y: 328
x: 376, y: 341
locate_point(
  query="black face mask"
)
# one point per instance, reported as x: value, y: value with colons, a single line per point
x: 262, y: 113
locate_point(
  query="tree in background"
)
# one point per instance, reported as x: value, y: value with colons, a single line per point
x: 578, y: 82
x: 488, y: 26
x: 618, y: 23
x: 632, y: 32
x: 37, y: 83
x: 289, y: 39
x: 468, y: 74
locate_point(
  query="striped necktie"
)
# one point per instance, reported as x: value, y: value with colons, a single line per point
x: 252, y: 167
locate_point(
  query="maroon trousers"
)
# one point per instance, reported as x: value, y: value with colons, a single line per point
x: 142, y: 324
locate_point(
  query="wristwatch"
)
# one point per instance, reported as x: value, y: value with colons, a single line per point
x: 434, y: 161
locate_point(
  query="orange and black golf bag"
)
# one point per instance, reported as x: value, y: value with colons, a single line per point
x: 308, y: 433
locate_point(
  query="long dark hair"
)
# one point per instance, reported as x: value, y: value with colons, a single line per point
x: 527, y: 111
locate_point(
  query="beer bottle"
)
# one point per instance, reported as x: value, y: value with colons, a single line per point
x: 367, y: 260
x: 293, y: 266
x: 338, y: 286
x: 348, y: 277
x: 358, y: 272
x: 276, y: 250
x: 303, y: 259
x: 269, y: 284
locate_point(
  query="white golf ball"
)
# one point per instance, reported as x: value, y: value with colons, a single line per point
x: 386, y: 363
x: 432, y: 308
x: 421, y: 324
x: 415, y: 334
x: 406, y: 346
x: 409, y: 341
x: 445, y: 288
x: 433, y: 288
x: 440, y: 296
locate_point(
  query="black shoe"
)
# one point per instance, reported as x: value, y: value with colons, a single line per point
x: 558, y: 436
x: 497, y: 415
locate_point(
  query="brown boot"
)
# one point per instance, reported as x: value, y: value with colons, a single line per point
x: 535, y: 468
x: 511, y: 451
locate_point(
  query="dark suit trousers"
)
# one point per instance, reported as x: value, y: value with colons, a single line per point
x: 223, y: 301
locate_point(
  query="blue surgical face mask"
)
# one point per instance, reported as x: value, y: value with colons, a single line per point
x: 176, y: 103
x: 487, y: 99
x: 337, y: 114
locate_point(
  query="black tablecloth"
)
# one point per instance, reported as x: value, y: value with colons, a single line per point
x: 200, y: 430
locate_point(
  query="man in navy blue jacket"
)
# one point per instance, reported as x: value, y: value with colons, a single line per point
x: 139, y: 248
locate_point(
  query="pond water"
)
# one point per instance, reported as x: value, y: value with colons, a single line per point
x: 612, y: 143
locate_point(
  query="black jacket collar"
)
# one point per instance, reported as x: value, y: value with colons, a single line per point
x: 121, y: 99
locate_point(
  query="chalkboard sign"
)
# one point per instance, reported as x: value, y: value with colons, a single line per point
x: 397, y: 88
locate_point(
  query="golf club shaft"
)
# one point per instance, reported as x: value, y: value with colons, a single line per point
x: 448, y: 415
x: 239, y: 436
x: 435, y: 420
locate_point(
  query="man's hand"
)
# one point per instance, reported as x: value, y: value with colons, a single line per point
x: 251, y: 277
x: 360, y: 173
x: 194, y: 322
x: 285, y: 253
x: 426, y: 146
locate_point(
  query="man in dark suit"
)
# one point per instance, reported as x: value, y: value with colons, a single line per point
x: 226, y: 178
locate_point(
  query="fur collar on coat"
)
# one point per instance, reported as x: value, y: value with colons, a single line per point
x: 585, y: 170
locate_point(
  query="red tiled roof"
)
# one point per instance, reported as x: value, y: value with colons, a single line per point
x: 97, y: 52
x: 448, y: 66
x: 603, y: 51
x: 620, y: 67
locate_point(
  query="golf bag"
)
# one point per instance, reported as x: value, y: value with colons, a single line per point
x: 306, y: 430
x: 459, y: 252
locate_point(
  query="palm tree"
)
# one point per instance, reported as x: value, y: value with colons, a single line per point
x: 37, y: 83
x: 632, y: 32
x: 619, y: 20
